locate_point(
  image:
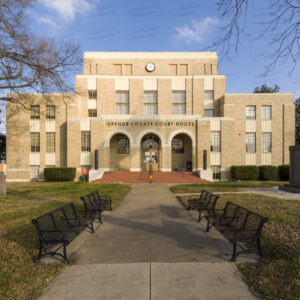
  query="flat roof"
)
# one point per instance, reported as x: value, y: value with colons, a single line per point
x: 141, y: 55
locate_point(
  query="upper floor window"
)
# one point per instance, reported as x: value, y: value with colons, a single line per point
x: 92, y: 94
x: 251, y: 112
x: 86, y: 141
x: 251, y: 142
x: 35, y: 112
x: 207, y: 69
x: 35, y: 141
x: 50, y: 112
x: 266, y: 112
x: 122, y: 102
x: 266, y: 142
x: 173, y: 69
x: 118, y: 69
x: 183, y: 69
x: 92, y: 113
x: 150, y: 103
x: 208, y: 95
x: 122, y: 145
x: 177, y: 145
x: 215, y: 138
x: 178, y: 103
x: 208, y: 113
x: 50, y: 142
x: 128, y: 69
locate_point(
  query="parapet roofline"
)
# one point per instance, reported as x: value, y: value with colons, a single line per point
x: 149, y: 55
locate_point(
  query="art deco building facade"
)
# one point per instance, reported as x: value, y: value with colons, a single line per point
x: 161, y: 110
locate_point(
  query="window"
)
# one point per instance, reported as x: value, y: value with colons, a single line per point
x: 35, y: 141
x: 50, y: 112
x: 150, y: 103
x: 128, y: 70
x: 215, y: 138
x: 92, y: 113
x: 178, y: 103
x: 35, y: 112
x: 266, y: 112
x: 183, y: 69
x: 34, y: 172
x: 173, y: 69
x: 118, y: 69
x: 250, y: 142
x: 122, y: 102
x: 85, y: 141
x: 207, y: 69
x: 92, y: 94
x: 250, y: 112
x: 50, y: 142
x: 122, y: 145
x: 177, y: 145
x: 216, y: 172
x: 208, y: 113
x: 266, y: 142
x: 208, y: 95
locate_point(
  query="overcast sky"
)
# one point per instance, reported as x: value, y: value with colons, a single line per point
x: 163, y: 25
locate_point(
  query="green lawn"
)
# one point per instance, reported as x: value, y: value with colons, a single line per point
x: 20, y: 278
x: 277, y: 275
x: 230, y: 186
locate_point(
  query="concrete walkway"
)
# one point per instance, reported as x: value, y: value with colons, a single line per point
x: 150, y: 247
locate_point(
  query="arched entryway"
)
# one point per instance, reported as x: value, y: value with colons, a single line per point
x: 150, y: 152
x: 120, y: 152
x: 181, y: 152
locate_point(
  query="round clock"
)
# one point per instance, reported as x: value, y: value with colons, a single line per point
x: 150, y: 67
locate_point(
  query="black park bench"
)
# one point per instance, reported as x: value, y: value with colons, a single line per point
x: 238, y: 225
x: 194, y: 200
x: 60, y: 226
x: 207, y: 204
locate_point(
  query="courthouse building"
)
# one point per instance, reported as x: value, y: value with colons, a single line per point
x: 167, y: 111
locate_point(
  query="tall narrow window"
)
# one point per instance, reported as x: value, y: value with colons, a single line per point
x: 50, y: 142
x: 251, y: 142
x: 122, y: 102
x: 266, y: 112
x: 150, y: 103
x: 35, y: 112
x: 177, y: 145
x: 92, y: 113
x: 266, y: 142
x: 92, y: 94
x: 208, y: 95
x: 178, y: 103
x: 35, y: 141
x: 215, y: 138
x: 86, y: 141
x: 250, y: 112
x: 207, y: 69
x: 50, y: 112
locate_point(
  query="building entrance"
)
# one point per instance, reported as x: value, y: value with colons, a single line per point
x: 150, y: 153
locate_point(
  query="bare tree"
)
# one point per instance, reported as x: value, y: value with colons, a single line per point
x: 31, y: 63
x: 280, y: 24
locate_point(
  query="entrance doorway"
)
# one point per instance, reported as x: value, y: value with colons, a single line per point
x: 150, y: 152
x: 181, y: 153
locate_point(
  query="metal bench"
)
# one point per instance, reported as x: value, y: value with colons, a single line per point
x: 60, y: 226
x: 105, y: 200
x: 92, y: 207
x: 207, y: 204
x: 238, y: 225
x: 194, y: 200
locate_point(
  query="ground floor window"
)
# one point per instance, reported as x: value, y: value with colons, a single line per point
x: 86, y: 141
x: 92, y: 113
x: 177, y: 145
x: 251, y: 142
x: 34, y: 172
x: 216, y: 172
x: 266, y: 142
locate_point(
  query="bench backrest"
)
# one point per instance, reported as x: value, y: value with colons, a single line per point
x: 202, y: 195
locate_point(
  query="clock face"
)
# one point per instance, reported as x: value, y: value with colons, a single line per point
x: 150, y: 67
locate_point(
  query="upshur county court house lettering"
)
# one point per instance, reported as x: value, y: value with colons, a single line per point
x: 168, y: 111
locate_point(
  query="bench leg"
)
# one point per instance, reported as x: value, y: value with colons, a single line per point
x: 65, y: 253
x: 100, y: 216
x: 259, y: 248
x: 92, y: 226
x: 233, y: 257
x: 207, y: 226
x: 199, y: 218
x: 40, y: 250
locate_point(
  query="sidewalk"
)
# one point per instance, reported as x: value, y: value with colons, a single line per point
x: 150, y: 247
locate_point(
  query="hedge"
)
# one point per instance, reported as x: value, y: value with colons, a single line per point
x: 267, y: 172
x: 284, y: 172
x: 60, y: 174
x: 245, y: 172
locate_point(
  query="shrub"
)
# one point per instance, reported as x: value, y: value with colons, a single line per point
x: 59, y: 174
x: 244, y: 172
x: 284, y: 172
x: 267, y: 172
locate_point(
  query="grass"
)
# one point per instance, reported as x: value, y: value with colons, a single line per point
x: 277, y: 275
x: 230, y: 186
x: 20, y: 277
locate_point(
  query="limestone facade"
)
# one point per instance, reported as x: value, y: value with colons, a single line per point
x: 129, y: 104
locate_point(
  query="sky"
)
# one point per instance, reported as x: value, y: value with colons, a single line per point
x: 164, y: 25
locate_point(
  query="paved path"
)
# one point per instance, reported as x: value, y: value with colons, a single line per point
x: 150, y: 247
